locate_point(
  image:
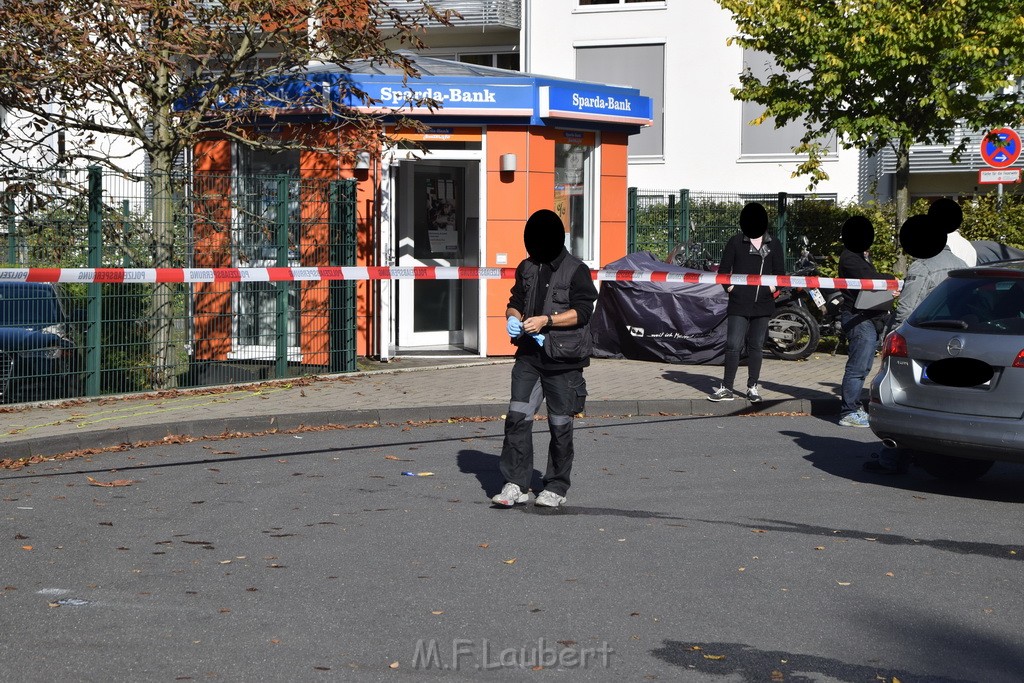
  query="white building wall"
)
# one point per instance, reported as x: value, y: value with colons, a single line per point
x: 702, y: 120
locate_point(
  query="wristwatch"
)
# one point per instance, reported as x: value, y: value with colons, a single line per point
x: 551, y: 323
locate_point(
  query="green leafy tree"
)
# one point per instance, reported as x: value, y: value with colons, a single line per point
x: 77, y: 75
x: 880, y: 73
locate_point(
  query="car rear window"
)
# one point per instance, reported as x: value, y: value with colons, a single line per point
x: 990, y: 305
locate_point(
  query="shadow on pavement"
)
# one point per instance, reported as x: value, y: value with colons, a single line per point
x: 993, y: 550
x: 1003, y: 484
x: 702, y: 383
x: 753, y: 665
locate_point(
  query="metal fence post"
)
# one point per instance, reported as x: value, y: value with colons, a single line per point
x: 630, y: 220
x: 780, y: 229
x: 342, y: 306
x: 671, y: 223
x: 281, y: 309
x: 684, y: 214
x: 94, y: 326
x: 12, y: 251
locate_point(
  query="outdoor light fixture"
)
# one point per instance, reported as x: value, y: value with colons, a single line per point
x: 362, y: 160
x: 508, y: 163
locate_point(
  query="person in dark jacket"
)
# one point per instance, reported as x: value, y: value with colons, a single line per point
x: 860, y: 326
x: 548, y: 318
x: 754, y: 252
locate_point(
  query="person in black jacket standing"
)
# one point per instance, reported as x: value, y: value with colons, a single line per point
x: 548, y: 318
x: 861, y: 327
x: 754, y: 252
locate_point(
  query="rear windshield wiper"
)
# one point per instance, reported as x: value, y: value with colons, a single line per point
x: 944, y: 324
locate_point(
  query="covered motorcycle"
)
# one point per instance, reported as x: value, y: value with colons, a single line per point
x: 672, y: 322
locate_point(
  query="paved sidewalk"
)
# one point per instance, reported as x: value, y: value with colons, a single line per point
x: 438, y: 390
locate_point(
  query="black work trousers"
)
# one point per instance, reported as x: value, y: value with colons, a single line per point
x: 565, y: 392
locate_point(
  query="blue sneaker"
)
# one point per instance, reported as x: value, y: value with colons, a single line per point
x: 855, y: 419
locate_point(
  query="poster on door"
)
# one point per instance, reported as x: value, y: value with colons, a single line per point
x: 442, y: 217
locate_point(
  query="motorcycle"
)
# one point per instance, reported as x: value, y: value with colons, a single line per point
x: 693, y: 255
x: 803, y: 314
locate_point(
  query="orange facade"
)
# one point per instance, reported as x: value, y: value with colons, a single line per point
x: 511, y: 198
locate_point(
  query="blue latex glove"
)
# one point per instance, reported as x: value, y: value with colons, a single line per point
x: 514, y: 326
x: 539, y: 338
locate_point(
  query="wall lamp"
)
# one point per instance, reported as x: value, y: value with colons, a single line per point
x: 507, y: 163
x: 362, y: 161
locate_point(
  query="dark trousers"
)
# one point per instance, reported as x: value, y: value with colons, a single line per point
x: 565, y: 392
x: 752, y: 332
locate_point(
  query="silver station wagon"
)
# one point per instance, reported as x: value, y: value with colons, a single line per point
x: 951, y: 385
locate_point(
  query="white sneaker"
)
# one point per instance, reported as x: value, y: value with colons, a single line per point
x: 510, y: 495
x: 549, y: 499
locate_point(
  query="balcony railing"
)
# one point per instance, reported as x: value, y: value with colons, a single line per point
x: 479, y: 13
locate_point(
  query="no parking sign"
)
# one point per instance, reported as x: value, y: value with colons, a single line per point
x: 1000, y: 148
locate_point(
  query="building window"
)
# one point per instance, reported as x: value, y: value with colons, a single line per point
x: 613, y: 2
x: 574, y: 190
x: 766, y: 142
x: 638, y: 66
x: 500, y: 60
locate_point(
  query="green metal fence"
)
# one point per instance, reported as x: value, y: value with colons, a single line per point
x: 107, y: 338
x: 659, y: 221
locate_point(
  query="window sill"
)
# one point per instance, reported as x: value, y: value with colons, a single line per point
x: 631, y: 7
x: 779, y: 159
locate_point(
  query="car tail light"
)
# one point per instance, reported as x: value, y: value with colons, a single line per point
x: 1018, y: 362
x: 895, y: 345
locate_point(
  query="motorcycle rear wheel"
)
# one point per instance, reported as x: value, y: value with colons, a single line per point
x: 793, y: 334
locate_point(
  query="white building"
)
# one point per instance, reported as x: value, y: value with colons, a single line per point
x: 676, y: 53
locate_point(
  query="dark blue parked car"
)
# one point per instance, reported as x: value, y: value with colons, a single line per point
x: 39, y: 360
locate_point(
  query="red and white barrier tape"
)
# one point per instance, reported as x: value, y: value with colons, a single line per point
x: 307, y: 274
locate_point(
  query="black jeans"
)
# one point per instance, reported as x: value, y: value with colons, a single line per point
x: 565, y: 391
x: 742, y: 330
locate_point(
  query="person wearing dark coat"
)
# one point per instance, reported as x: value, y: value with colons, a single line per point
x: 753, y: 252
x: 548, y: 319
x: 860, y: 326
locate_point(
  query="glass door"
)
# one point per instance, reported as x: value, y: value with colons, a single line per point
x: 255, y: 245
x: 431, y: 232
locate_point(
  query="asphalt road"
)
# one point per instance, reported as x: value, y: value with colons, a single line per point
x: 693, y: 549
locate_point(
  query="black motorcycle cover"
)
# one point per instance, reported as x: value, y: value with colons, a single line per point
x: 672, y: 322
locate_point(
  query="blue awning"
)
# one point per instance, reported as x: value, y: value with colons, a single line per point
x: 463, y: 93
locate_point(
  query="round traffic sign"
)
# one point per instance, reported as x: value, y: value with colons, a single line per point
x: 1005, y: 152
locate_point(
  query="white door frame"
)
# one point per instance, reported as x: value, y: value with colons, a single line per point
x: 387, y: 252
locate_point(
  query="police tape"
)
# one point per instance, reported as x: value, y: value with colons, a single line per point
x: 362, y: 273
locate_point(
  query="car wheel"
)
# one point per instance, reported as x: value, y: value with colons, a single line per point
x: 952, y: 468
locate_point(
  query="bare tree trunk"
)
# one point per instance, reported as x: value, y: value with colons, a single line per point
x: 162, y: 306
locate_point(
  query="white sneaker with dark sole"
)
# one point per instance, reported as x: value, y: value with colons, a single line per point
x: 549, y: 499
x: 510, y: 495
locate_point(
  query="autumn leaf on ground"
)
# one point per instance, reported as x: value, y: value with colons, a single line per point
x: 116, y: 482
x: 393, y: 665
x: 510, y: 561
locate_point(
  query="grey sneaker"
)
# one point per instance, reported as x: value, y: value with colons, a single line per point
x: 752, y: 394
x: 855, y: 419
x: 510, y: 495
x: 549, y: 499
x: 721, y: 394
